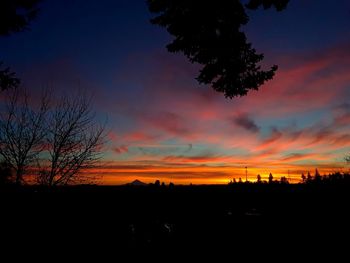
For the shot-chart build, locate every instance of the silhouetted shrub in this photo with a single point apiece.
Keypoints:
(6, 176)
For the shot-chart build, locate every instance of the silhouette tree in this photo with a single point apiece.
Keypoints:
(347, 158)
(317, 177)
(270, 178)
(8, 78)
(284, 180)
(308, 177)
(157, 183)
(15, 16)
(73, 141)
(278, 4)
(5, 173)
(209, 33)
(303, 178)
(258, 179)
(21, 131)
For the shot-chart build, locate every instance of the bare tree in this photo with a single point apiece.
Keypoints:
(73, 140)
(22, 131)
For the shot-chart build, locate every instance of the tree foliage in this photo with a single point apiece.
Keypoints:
(278, 4)
(15, 15)
(8, 78)
(209, 33)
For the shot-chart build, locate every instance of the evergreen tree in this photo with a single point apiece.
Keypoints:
(270, 178)
(258, 179)
(210, 34)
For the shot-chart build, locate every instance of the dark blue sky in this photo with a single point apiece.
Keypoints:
(97, 35)
(306, 25)
(158, 114)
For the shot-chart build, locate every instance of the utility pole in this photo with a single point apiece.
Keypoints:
(246, 174)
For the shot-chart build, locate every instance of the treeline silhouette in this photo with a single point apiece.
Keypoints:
(327, 179)
(336, 178)
(157, 218)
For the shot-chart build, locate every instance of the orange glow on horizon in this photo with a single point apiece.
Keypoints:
(198, 174)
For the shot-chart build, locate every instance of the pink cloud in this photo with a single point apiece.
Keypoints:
(300, 156)
(139, 136)
(274, 136)
(121, 149)
(169, 122)
(197, 159)
(112, 136)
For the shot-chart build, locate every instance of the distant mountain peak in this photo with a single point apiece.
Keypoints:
(137, 183)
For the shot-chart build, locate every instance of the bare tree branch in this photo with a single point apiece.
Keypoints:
(74, 141)
(22, 131)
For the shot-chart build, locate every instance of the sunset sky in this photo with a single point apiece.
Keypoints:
(163, 125)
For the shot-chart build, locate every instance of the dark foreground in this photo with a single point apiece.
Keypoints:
(242, 219)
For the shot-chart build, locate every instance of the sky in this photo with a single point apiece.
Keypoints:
(163, 125)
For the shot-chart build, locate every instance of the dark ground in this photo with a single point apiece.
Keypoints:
(240, 219)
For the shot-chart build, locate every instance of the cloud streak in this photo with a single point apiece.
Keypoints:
(244, 121)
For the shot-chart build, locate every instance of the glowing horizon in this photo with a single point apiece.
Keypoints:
(122, 174)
